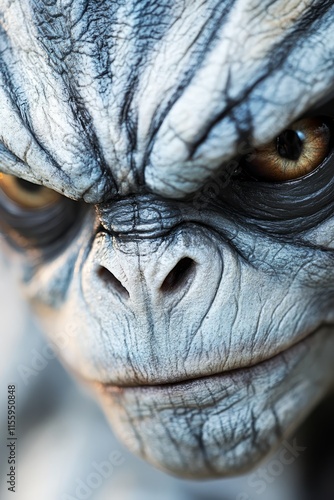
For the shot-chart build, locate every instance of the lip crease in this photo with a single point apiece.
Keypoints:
(228, 373)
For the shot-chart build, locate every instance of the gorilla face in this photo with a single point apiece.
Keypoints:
(167, 178)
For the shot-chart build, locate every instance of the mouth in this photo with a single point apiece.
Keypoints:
(293, 353)
(222, 424)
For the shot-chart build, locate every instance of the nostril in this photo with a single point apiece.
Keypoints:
(179, 275)
(111, 281)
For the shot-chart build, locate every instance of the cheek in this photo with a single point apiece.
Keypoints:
(322, 236)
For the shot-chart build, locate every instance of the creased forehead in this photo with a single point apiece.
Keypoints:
(98, 96)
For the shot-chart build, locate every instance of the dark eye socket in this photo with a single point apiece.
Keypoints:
(296, 152)
(290, 199)
(34, 216)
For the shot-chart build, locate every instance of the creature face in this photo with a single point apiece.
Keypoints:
(180, 254)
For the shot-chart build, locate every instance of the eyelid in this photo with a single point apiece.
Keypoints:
(324, 107)
(285, 208)
(27, 195)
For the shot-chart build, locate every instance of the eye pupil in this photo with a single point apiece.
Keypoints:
(299, 150)
(28, 186)
(290, 144)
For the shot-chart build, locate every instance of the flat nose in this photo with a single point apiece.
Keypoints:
(176, 279)
(150, 299)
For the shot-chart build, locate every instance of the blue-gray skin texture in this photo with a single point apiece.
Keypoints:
(133, 109)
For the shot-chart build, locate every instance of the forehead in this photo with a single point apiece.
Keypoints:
(104, 96)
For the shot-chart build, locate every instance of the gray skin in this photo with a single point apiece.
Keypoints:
(134, 110)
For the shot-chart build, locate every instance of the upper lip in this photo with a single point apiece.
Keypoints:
(187, 380)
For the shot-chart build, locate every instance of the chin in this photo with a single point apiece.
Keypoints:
(222, 425)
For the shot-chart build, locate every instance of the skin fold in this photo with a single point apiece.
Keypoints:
(197, 302)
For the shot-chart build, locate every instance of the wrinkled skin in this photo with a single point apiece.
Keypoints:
(129, 109)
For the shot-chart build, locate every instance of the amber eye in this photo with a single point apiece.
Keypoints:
(25, 194)
(297, 151)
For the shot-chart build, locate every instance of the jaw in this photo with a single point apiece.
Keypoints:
(223, 425)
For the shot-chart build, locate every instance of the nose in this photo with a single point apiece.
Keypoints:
(178, 278)
(145, 255)
(148, 253)
(181, 274)
(149, 298)
(163, 272)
